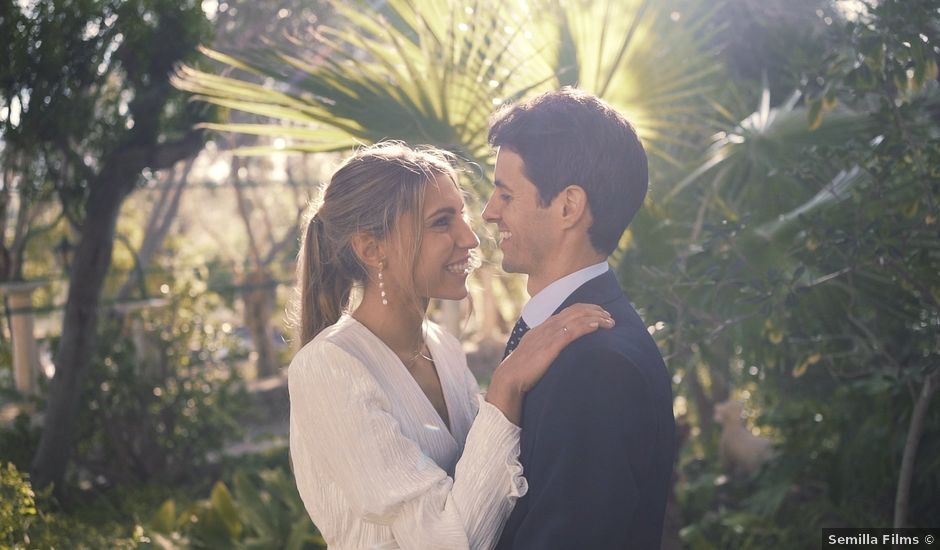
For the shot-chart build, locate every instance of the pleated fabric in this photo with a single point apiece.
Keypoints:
(375, 464)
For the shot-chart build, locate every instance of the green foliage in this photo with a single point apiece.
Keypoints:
(26, 523)
(421, 71)
(432, 72)
(82, 77)
(17, 506)
(652, 60)
(770, 39)
(162, 395)
(263, 511)
(891, 54)
(795, 266)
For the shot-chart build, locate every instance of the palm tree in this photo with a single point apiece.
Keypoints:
(433, 72)
(426, 71)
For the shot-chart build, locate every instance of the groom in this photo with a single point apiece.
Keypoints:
(598, 433)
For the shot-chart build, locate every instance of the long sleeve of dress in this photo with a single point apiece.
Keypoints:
(342, 427)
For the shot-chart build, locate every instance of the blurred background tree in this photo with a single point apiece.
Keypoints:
(88, 83)
(804, 281)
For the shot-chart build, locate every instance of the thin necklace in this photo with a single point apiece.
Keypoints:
(417, 354)
(421, 348)
(414, 359)
(421, 355)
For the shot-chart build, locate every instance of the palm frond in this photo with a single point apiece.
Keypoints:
(427, 71)
(420, 71)
(650, 64)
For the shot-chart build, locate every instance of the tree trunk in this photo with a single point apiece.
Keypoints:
(120, 170)
(158, 225)
(6, 189)
(259, 299)
(914, 434)
(79, 328)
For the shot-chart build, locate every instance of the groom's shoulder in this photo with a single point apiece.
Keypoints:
(626, 351)
(607, 350)
(629, 340)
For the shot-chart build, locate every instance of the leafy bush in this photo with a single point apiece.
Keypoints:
(17, 507)
(263, 511)
(162, 394)
(26, 523)
(810, 289)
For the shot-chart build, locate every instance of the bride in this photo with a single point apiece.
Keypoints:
(391, 442)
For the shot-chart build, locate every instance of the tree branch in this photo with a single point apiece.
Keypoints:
(167, 154)
(914, 433)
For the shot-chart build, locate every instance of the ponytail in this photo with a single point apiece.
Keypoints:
(324, 283)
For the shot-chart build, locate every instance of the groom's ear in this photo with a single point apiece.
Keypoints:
(370, 250)
(573, 205)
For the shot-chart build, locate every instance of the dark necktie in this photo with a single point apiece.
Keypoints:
(517, 332)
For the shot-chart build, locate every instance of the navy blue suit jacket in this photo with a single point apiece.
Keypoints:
(598, 439)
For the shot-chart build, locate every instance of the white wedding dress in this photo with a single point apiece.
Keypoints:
(376, 466)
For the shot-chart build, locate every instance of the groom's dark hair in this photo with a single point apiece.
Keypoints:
(569, 137)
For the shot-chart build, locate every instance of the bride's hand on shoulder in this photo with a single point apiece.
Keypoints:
(526, 365)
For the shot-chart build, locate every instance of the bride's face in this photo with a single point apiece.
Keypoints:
(443, 261)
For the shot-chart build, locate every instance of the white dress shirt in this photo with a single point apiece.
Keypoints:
(375, 464)
(547, 300)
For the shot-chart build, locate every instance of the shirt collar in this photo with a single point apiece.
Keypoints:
(546, 301)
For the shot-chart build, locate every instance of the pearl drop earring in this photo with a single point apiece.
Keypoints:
(382, 284)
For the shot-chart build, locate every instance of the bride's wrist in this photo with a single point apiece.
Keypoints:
(506, 394)
(506, 383)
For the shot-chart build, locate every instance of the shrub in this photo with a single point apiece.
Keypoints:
(263, 511)
(17, 507)
(26, 523)
(161, 396)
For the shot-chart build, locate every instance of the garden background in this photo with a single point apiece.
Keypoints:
(158, 157)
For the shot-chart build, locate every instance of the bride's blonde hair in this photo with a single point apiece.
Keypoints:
(369, 192)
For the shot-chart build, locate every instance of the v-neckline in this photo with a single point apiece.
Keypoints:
(433, 348)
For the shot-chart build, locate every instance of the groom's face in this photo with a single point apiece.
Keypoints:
(526, 234)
